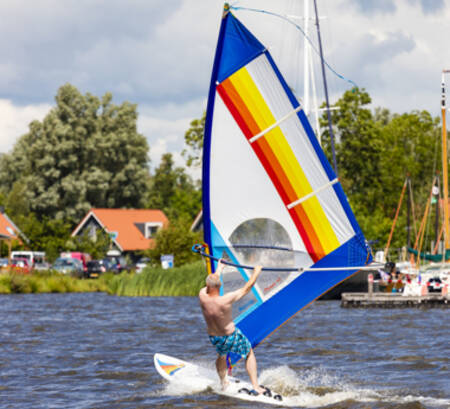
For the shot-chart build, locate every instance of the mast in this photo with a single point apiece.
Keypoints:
(306, 58)
(408, 214)
(444, 163)
(309, 96)
(326, 90)
(436, 191)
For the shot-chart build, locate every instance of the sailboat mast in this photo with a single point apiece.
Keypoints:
(306, 58)
(444, 162)
(326, 89)
(408, 214)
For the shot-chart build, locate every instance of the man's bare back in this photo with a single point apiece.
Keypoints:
(217, 312)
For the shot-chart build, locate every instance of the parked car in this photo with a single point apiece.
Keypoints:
(434, 285)
(21, 265)
(67, 265)
(42, 266)
(97, 267)
(3, 262)
(32, 257)
(141, 264)
(82, 257)
(118, 264)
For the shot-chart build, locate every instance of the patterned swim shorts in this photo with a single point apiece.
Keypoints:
(236, 342)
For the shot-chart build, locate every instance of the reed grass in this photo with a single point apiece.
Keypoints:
(186, 280)
(179, 281)
(46, 282)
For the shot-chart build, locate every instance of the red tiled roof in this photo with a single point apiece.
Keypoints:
(5, 225)
(122, 221)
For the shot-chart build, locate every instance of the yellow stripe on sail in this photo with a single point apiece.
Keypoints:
(275, 138)
(262, 115)
(281, 149)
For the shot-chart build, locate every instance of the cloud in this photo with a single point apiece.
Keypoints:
(372, 53)
(429, 6)
(370, 7)
(14, 121)
(143, 51)
(159, 54)
(164, 133)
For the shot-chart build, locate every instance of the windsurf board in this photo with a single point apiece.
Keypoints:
(185, 373)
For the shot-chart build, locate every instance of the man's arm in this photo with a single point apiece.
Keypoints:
(238, 294)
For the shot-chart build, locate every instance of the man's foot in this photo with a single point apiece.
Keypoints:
(267, 392)
(259, 389)
(225, 384)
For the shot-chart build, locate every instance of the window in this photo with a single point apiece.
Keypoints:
(151, 229)
(93, 232)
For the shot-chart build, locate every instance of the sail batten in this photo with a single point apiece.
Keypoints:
(267, 182)
(265, 131)
(309, 195)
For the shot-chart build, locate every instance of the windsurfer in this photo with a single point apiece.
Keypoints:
(223, 334)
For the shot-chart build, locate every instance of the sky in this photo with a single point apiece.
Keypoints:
(158, 54)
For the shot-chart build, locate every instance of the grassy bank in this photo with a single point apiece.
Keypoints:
(47, 282)
(180, 281)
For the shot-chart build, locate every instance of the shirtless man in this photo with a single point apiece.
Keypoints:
(221, 329)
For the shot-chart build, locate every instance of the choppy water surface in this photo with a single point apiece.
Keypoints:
(96, 351)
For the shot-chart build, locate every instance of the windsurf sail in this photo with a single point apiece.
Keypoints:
(270, 197)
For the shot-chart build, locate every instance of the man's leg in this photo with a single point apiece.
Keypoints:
(221, 365)
(250, 365)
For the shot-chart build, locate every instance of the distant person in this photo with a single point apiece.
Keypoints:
(223, 334)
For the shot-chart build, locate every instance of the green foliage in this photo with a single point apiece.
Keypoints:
(49, 235)
(97, 247)
(194, 141)
(375, 153)
(179, 281)
(49, 282)
(178, 240)
(85, 153)
(358, 148)
(173, 191)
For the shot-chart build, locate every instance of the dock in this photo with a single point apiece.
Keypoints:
(393, 300)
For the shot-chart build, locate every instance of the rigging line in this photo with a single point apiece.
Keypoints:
(196, 248)
(386, 250)
(411, 198)
(313, 193)
(287, 116)
(259, 246)
(304, 34)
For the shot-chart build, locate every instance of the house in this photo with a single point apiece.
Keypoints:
(9, 231)
(130, 230)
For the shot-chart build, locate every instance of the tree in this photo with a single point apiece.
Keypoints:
(173, 191)
(358, 148)
(47, 234)
(85, 153)
(97, 247)
(178, 240)
(194, 141)
(412, 147)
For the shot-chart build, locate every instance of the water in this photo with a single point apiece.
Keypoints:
(96, 351)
